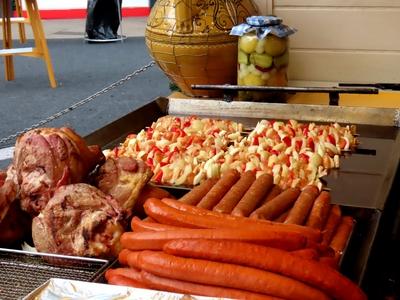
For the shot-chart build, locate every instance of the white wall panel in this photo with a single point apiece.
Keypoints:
(343, 40)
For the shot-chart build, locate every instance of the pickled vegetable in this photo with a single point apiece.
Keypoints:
(253, 79)
(261, 60)
(263, 56)
(248, 43)
(274, 45)
(261, 63)
(243, 58)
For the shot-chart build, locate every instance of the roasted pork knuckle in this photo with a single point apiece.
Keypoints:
(47, 158)
(79, 220)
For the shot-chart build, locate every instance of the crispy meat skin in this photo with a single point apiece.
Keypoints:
(123, 178)
(79, 220)
(47, 158)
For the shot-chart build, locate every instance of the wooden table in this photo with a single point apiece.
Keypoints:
(40, 50)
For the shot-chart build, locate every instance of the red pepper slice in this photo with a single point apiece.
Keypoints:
(157, 177)
(298, 145)
(217, 130)
(190, 141)
(165, 149)
(287, 160)
(178, 130)
(305, 131)
(150, 162)
(149, 133)
(331, 139)
(256, 141)
(304, 157)
(177, 120)
(276, 152)
(169, 157)
(156, 149)
(292, 132)
(287, 140)
(310, 143)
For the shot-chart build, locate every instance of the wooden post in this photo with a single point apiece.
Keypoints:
(7, 41)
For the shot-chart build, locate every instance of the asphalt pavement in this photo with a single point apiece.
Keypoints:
(81, 69)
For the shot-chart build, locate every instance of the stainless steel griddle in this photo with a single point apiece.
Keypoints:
(361, 185)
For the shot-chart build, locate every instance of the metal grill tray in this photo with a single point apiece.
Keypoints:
(364, 178)
(361, 185)
(21, 271)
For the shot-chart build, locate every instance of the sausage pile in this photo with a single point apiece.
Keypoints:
(189, 150)
(259, 198)
(188, 249)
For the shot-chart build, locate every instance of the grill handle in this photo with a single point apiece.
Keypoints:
(230, 90)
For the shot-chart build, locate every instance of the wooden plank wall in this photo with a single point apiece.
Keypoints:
(341, 40)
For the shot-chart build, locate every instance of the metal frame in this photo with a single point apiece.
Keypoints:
(301, 112)
(230, 90)
(88, 259)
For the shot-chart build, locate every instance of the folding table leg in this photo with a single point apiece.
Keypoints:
(40, 39)
(21, 26)
(7, 41)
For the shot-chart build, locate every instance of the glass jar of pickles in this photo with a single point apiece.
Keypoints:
(263, 55)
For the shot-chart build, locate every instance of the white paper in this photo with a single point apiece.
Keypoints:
(57, 289)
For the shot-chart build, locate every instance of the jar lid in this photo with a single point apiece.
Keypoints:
(263, 25)
(263, 20)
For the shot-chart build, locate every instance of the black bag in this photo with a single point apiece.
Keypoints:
(103, 19)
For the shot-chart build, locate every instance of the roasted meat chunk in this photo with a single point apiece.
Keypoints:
(123, 178)
(47, 158)
(8, 190)
(79, 220)
(15, 227)
(14, 223)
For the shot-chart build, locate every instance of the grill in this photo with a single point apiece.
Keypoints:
(362, 184)
(23, 271)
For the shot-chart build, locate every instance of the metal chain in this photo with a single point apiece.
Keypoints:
(79, 103)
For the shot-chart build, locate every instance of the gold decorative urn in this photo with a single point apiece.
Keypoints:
(190, 41)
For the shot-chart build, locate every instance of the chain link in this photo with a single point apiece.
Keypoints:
(79, 103)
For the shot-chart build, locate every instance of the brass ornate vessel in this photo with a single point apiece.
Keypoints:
(190, 41)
